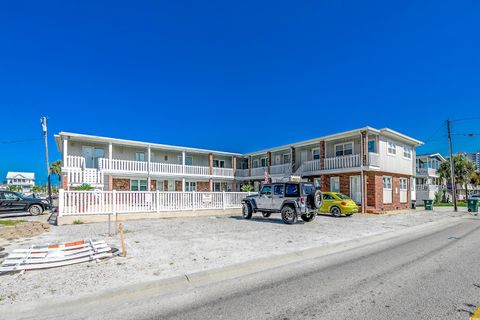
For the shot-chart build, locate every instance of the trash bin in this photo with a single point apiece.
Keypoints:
(472, 205)
(428, 204)
(414, 204)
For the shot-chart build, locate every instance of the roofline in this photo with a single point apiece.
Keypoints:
(430, 155)
(337, 136)
(135, 143)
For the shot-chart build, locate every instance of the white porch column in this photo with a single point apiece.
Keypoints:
(183, 184)
(110, 155)
(149, 153)
(183, 162)
(65, 152)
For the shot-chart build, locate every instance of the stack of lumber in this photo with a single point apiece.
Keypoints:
(57, 255)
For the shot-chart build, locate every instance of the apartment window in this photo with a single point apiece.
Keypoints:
(255, 163)
(403, 184)
(139, 156)
(264, 162)
(217, 187)
(266, 190)
(335, 184)
(138, 185)
(372, 146)
(190, 186)
(165, 158)
(343, 149)
(407, 151)
(316, 154)
(188, 160)
(160, 185)
(286, 158)
(219, 163)
(391, 148)
(387, 183)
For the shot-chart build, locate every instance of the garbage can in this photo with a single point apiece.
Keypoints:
(428, 204)
(472, 205)
(414, 204)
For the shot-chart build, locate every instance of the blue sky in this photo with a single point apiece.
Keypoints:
(235, 76)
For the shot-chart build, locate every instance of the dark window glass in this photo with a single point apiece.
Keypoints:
(267, 190)
(278, 189)
(292, 190)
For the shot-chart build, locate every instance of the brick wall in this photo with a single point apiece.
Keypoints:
(178, 186)
(203, 186)
(121, 184)
(153, 185)
(375, 192)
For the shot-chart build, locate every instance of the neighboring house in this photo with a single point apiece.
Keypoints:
(427, 179)
(375, 167)
(26, 180)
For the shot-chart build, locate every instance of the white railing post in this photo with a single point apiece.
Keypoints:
(157, 201)
(193, 201)
(223, 200)
(61, 202)
(114, 202)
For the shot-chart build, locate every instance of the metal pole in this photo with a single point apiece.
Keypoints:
(43, 120)
(452, 170)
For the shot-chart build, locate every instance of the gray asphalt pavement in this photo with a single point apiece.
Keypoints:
(427, 272)
(424, 276)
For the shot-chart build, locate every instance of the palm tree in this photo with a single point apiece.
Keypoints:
(475, 179)
(83, 187)
(56, 168)
(463, 170)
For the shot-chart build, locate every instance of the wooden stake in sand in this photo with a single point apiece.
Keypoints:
(122, 239)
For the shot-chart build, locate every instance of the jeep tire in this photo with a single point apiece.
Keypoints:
(308, 217)
(289, 214)
(314, 199)
(247, 211)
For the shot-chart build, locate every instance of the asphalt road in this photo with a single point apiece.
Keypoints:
(424, 276)
(429, 272)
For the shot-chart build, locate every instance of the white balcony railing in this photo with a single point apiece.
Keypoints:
(280, 169)
(74, 162)
(242, 173)
(257, 172)
(223, 172)
(426, 171)
(122, 165)
(170, 168)
(350, 161)
(197, 170)
(373, 159)
(427, 187)
(89, 176)
(311, 165)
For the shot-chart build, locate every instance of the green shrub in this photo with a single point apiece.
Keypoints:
(78, 221)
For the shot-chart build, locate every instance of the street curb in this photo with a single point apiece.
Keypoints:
(230, 272)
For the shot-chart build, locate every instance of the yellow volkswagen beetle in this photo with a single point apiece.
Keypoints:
(338, 204)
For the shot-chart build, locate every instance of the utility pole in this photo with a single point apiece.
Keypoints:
(43, 120)
(452, 169)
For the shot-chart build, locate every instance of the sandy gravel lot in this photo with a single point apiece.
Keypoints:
(168, 247)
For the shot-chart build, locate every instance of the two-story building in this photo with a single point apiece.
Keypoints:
(375, 167)
(25, 180)
(427, 179)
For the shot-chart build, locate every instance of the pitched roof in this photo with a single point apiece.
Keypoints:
(21, 175)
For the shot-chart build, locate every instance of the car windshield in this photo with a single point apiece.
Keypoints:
(342, 196)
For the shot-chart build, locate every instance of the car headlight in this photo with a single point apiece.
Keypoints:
(45, 201)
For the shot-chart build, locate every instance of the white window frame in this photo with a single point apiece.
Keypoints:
(331, 184)
(391, 182)
(266, 162)
(139, 184)
(256, 163)
(313, 153)
(394, 153)
(190, 186)
(343, 144)
(218, 161)
(287, 157)
(402, 181)
(215, 183)
(138, 158)
(409, 154)
(376, 146)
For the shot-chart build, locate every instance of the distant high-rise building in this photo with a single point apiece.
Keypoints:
(474, 157)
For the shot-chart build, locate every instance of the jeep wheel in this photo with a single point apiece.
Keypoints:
(335, 211)
(289, 215)
(308, 217)
(35, 210)
(247, 211)
(266, 214)
(315, 199)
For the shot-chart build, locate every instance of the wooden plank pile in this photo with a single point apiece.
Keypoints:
(57, 255)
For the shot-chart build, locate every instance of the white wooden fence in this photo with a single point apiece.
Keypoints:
(113, 202)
